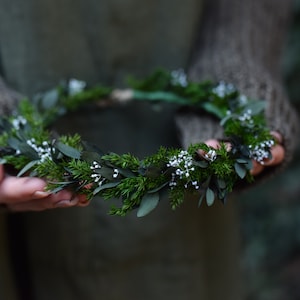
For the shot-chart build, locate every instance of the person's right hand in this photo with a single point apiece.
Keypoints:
(28, 194)
(277, 152)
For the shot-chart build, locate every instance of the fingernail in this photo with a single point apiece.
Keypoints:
(40, 194)
(74, 200)
(278, 153)
(63, 203)
(278, 137)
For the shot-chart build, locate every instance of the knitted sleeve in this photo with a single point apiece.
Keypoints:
(241, 42)
(8, 98)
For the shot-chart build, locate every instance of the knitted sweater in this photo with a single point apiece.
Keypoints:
(170, 256)
(242, 43)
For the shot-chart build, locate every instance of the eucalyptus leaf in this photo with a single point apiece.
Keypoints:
(105, 172)
(240, 170)
(67, 150)
(161, 95)
(249, 164)
(225, 119)
(148, 203)
(126, 173)
(201, 163)
(201, 199)
(221, 183)
(27, 167)
(65, 183)
(14, 143)
(152, 171)
(28, 151)
(23, 147)
(90, 156)
(158, 188)
(256, 107)
(223, 196)
(50, 99)
(3, 161)
(242, 161)
(105, 186)
(210, 196)
(211, 108)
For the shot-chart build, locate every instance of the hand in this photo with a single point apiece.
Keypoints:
(28, 194)
(277, 152)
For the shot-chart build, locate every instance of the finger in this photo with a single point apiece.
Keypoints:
(83, 201)
(277, 153)
(257, 168)
(14, 189)
(216, 144)
(62, 199)
(39, 205)
(213, 143)
(277, 136)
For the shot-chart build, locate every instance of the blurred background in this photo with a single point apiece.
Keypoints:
(270, 214)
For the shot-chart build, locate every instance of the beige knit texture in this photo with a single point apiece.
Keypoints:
(8, 98)
(241, 42)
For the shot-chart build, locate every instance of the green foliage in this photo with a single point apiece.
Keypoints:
(50, 170)
(176, 196)
(72, 141)
(202, 171)
(148, 203)
(125, 161)
(80, 169)
(159, 80)
(91, 95)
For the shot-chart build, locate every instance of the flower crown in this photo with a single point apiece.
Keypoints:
(66, 162)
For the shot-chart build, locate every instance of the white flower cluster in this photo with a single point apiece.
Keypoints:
(183, 162)
(44, 150)
(211, 155)
(98, 178)
(179, 77)
(262, 151)
(76, 86)
(246, 117)
(18, 122)
(223, 89)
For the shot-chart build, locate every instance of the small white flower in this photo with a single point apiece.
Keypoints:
(116, 173)
(95, 165)
(262, 151)
(246, 116)
(44, 151)
(195, 184)
(211, 155)
(19, 122)
(223, 89)
(183, 162)
(76, 86)
(179, 77)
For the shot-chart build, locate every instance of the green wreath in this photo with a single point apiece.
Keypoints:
(66, 162)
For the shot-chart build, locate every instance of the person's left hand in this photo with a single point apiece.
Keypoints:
(28, 194)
